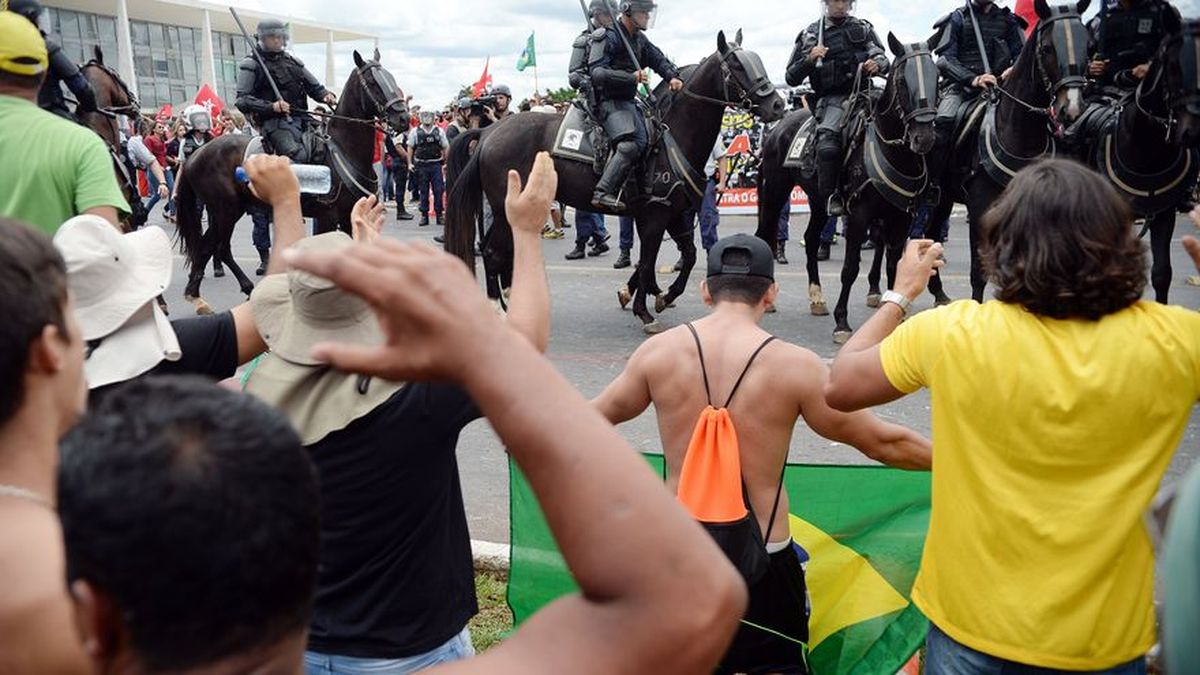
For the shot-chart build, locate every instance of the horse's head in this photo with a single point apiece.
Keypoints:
(913, 83)
(1176, 68)
(382, 97)
(1061, 41)
(746, 79)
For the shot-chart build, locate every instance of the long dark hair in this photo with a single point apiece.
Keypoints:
(1060, 242)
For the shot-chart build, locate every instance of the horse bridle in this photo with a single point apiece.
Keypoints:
(1063, 42)
(1192, 59)
(381, 107)
(923, 106)
(133, 107)
(761, 83)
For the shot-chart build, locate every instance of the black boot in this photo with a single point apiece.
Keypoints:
(441, 220)
(576, 253)
(424, 220)
(781, 253)
(264, 257)
(599, 246)
(622, 260)
(605, 197)
(403, 214)
(828, 168)
(823, 251)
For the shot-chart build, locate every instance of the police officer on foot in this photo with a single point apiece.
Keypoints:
(282, 122)
(830, 56)
(615, 79)
(1126, 34)
(62, 69)
(427, 146)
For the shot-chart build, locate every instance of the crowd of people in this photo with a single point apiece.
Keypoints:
(160, 516)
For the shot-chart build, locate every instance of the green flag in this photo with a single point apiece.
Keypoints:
(863, 527)
(528, 57)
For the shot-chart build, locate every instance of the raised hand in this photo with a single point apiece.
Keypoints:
(366, 219)
(272, 179)
(527, 209)
(922, 258)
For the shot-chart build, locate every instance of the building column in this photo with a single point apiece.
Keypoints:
(330, 69)
(208, 64)
(125, 48)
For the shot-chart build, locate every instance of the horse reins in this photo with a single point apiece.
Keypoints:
(916, 112)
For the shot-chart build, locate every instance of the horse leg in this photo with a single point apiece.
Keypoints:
(244, 282)
(812, 242)
(856, 232)
(977, 204)
(686, 242)
(894, 238)
(874, 294)
(933, 230)
(651, 241)
(191, 292)
(1162, 228)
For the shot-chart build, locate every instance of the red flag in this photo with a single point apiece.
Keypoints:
(164, 113)
(485, 80)
(209, 99)
(1026, 11)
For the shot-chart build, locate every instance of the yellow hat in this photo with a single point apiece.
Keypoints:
(22, 48)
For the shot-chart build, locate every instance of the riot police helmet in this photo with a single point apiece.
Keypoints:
(272, 28)
(32, 10)
(464, 103)
(600, 9)
(426, 117)
(631, 8)
(840, 10)
(502, 90)
(197, 118)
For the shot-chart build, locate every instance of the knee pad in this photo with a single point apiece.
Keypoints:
(627, 147)
(828, 149)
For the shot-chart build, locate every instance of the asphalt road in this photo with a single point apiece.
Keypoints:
(591, 337)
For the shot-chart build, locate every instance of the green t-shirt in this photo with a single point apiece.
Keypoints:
(51, 169)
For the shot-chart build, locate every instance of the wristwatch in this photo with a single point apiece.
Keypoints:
(898, 299)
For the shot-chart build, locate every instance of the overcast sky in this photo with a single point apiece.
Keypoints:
(434, 47)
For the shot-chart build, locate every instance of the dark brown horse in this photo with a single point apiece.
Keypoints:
(1021, 125)
(114, 98)
(369, 97)
(729, 77)
(1147, 148)
(884, 175)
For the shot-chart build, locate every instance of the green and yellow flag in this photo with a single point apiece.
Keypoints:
(863, 527)
(528, 57)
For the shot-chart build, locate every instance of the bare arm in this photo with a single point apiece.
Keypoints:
(883, 442)
(529, 305)
(656, 594)
(857, 379)
(629, 395)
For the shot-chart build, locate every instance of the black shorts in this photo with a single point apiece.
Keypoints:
(779, 601)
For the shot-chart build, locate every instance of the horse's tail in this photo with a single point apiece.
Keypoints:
(464, 205)
(188, 228)
(460, 154)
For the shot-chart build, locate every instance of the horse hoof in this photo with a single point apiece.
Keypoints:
(1193, 280)
(248, 291)
(819, 308)
(874, 299)
(624, 296)
(218, 274)
(771, 309)
(841, 337)
(201, 305)
(942, 301)
(667, 269)
(652, 328)
(661, 303)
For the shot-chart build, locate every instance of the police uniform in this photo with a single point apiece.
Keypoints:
(61, 70)
(428, 145)
(1128, 38)
(255, 98)
(614, 81)
(577, 67)
(960, 61)
(851, 42)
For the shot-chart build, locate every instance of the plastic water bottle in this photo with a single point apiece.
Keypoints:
(313, 178)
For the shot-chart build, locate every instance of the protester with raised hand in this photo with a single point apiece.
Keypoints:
(657, 595)
(1056, 410)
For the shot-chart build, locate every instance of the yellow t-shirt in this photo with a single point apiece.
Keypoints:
(1050, 439)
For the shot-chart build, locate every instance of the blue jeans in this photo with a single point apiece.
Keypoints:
(262, 216)
(456, 649)
(153, 180)
(626, 233)
(710, 217)
(944, 656)
(830, 231)
(430, 178)
(785, 218)
(389, 187)
(589, 225)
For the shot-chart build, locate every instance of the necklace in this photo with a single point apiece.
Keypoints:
(23, 493)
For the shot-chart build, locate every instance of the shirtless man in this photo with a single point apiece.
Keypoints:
(782, 384)
(42, 392)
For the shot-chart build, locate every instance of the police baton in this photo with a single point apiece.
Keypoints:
(258, 57)
(587, 16)
(624, 40)
(983, 53)
(821, 32)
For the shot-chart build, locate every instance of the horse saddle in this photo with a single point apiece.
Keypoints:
(577, 138)
(802, 153)
(1153, 193)
(998, 163)
(967, 121)
(313, 139)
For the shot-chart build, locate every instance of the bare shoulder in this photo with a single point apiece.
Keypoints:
(798, 367)
(31, 557)
(660, 348)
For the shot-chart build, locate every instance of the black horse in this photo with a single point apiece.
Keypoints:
(369, 97)
(884, 174)
(730, 77)
(114, 98)
(1017, 125)
(1146, 143)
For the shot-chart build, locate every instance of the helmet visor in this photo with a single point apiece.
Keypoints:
(200, 121)
(280, 33)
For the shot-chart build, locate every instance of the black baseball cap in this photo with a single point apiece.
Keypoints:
(762, 260)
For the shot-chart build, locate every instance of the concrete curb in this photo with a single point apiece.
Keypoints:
(490, 556)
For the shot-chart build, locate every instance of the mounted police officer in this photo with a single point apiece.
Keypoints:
(1126, 35)
(600, 20)
(615, 80)
(255, 97)
(842, 44)
(62, 68)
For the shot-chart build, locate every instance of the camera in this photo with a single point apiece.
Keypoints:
(478, 104)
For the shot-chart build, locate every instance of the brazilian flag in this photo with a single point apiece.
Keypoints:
(528, 57)
(863, 527)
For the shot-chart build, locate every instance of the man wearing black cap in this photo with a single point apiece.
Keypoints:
(784, 382)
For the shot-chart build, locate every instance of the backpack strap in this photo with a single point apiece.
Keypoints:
(703, 369)
(775, 506)
(744, 370)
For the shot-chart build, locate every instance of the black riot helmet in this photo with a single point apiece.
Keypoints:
(271, 28)
(600, 13)
(32, 10)
(631, 7)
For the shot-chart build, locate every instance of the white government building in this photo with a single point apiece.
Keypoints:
(166, 49)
